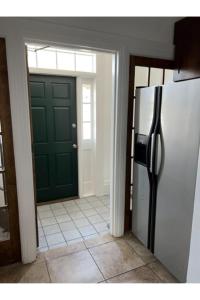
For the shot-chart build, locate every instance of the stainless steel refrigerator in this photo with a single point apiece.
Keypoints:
(166, 149)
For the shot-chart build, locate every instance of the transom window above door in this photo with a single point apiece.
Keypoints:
(46, 57)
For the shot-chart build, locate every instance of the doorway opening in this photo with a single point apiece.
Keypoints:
(71, 99)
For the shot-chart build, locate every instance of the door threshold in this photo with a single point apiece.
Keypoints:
(57, 200)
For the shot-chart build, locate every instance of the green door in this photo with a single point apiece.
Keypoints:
(53, 106)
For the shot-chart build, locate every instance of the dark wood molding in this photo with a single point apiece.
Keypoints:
(127, 219)
(143, 62)
(187, 49)
(9, 250)
(153, 62)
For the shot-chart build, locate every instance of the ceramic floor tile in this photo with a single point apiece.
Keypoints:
(106, 202)
(69, 203)
(140, 249)
(99, 240)
(40, 232)
(92, 199)
(72, 209)
(139, 275)
(63, 251)
(55, 238)
(74, 268)
(97, 203)
(41, 208)
(90, 212)
(81, 222)
(95, 219)
(87, 230)
(100, 227)
(71, 234)
(29, 273)
(48, 221)
(105, 197)
(39, 223)
(54, 246)
(45, 214)
(84, 206)
(115, 258)
(40, 257)
(63, 218)
(59, 212)
(105, 216)
(102, 209)
(162, 272)
(76, 215)
(42, 242)
(51, 229)
(67, 226)
(43, 249)
(91, 236)
(104, 232)
(72, 242)
(81, 201)
(56, 206)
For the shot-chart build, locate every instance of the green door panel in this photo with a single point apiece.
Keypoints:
(62, 115)
(53, 105)
(42, 171)
(39, 119)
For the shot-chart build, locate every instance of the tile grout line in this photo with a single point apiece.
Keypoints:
(57, 232)
(74, 225)
(77, 226)
(43, 235)
(96, 264)
(71, 219)
(48, 271)
(155, 273)
(127, 272)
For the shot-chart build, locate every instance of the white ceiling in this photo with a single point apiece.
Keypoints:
(148, 28)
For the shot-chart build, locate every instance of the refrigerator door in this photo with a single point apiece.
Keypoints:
(144, 115)
(180, 137)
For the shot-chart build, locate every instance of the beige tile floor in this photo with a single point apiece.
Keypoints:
(68, 222)
(100, 259)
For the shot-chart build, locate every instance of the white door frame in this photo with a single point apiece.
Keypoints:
(113, 218)
(117, 165)
(17, 32)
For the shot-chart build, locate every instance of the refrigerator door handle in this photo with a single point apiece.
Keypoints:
(152, 151)
(158, 154)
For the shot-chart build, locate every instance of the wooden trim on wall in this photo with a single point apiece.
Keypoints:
(10, 250)
(143, 62)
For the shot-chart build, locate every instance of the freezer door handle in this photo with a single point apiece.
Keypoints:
(152, 151)
(158, 154)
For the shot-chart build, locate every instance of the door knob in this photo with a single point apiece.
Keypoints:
(74, 146)
(73, 125)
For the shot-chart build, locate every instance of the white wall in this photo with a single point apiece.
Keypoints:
(17, 31)
(104, 93)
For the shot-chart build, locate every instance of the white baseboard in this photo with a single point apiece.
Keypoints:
(88, 189)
